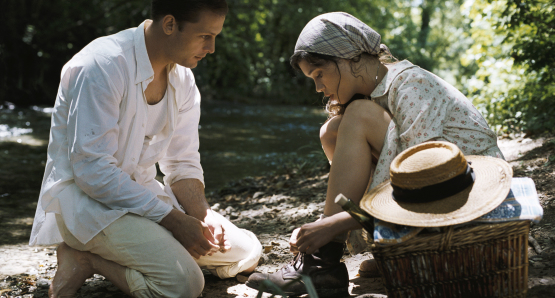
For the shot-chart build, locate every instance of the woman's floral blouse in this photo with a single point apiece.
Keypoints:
(424, 108)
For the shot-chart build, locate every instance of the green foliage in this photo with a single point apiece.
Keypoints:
(498, 52)
(514, 86)
(550, 160)
(39, 37)
(252, 54)
(266, 284)
(251, 62)
(431, 35)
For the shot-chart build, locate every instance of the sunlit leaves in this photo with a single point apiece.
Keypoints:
(259, 37)
(513, 86)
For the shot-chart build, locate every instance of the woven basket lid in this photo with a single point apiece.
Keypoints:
(427, 165)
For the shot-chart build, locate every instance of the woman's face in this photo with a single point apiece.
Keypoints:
(336, 82)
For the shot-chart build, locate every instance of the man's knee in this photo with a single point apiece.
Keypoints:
(192, 283)
(190, 279)
(182, 282)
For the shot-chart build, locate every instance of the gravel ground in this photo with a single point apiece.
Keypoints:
(271, 207)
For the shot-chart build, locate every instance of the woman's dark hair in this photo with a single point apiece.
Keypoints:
(186, 10)
(318, 60)
(334, 108)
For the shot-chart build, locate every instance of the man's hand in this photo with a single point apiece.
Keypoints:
(190, 194)
(217, 231)
(192, 233)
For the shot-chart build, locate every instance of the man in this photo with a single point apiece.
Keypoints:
(125, 102)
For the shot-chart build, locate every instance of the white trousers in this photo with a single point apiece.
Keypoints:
(157, 264)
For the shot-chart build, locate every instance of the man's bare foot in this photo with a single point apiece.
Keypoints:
(74, 267)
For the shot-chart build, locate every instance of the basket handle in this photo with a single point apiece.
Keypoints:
(445, 242)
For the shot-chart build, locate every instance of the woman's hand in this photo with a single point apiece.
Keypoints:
(312, 236)
(293, 241)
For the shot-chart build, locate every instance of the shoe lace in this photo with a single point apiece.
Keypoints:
(297, 261)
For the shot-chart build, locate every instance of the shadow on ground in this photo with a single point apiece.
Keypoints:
(271, 206)
(541, 291)
(21, 175)
(23, 140)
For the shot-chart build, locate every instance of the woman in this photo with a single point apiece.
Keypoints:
(404, 105)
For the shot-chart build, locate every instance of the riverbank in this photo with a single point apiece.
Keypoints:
(272, 206)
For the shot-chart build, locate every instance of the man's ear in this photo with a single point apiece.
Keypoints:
(169, 24)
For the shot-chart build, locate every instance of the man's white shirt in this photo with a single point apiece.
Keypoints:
(99, 164)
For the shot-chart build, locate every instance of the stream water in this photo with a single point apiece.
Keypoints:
(236, 140)
(245, 140)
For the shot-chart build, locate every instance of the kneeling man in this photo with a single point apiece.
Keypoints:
(126, 102)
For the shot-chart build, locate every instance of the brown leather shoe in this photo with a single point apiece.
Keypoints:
(328, 274)
(369, 268)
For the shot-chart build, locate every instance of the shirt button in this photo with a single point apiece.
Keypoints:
(133, 159)
(143, 125)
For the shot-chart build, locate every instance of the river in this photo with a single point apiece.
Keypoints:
(236, 140)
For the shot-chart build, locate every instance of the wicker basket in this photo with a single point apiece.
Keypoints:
(488, 260)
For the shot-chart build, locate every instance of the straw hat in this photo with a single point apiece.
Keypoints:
(433, 185)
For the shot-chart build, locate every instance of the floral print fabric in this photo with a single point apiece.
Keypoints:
(424, 108)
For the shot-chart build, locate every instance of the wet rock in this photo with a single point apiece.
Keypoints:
(264, 259)
(43, 283)
(257, 194)
(268, 248)
(535, 244)
(216, 207)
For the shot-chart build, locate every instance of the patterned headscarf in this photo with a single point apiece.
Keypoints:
(338, 34)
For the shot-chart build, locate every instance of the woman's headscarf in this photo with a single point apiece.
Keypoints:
(339, 34)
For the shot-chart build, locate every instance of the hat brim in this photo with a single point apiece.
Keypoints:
(490, 188)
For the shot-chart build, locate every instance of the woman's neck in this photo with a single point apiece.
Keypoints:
(372, 73)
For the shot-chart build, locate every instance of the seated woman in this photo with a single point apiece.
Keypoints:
(404, 105)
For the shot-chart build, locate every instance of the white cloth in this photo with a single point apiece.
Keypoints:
(96, 171)
(157, 118)
(338, 34)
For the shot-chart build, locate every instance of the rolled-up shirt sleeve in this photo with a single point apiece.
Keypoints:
(97, 91)
(182, 159)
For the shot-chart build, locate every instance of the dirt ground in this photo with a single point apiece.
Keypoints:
(272, 206)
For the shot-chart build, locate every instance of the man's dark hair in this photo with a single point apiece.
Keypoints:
(186, 10)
